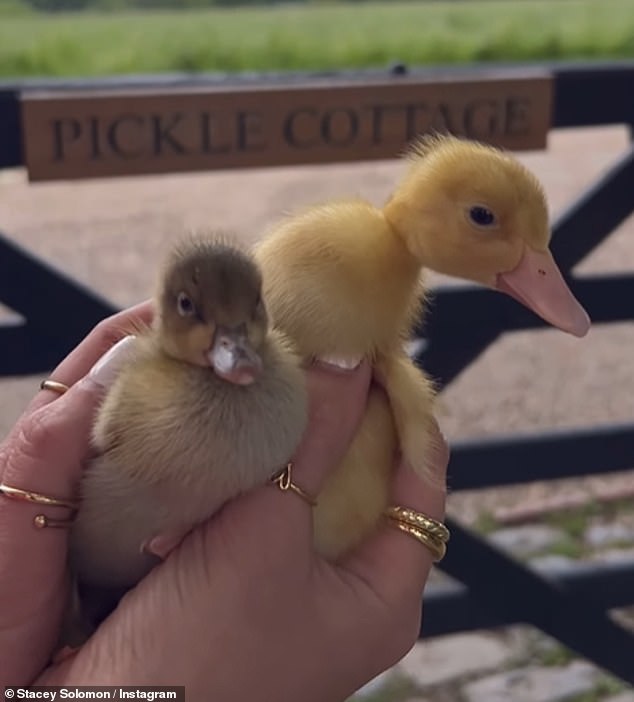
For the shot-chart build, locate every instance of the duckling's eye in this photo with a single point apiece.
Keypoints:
(185, 305)
(481, 216)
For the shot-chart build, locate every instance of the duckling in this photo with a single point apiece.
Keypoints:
(211, 403)
(345, 281)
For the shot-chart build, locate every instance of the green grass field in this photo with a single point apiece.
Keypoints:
(314, 37)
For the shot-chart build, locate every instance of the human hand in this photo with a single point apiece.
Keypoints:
(44, 453)
(246, 589)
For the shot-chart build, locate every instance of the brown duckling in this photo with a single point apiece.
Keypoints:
(211, 404)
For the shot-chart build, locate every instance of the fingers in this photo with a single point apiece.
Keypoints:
(395, 563)
(337, 402)
(36, 558)
(77, 364)
(45, 450)
(45, 455)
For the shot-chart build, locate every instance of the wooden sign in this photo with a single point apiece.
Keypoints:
(91, 134)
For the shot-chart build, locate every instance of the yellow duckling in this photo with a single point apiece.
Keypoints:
(343, 281)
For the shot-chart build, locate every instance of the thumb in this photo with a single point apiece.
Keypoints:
(337, 402)
(390, 551)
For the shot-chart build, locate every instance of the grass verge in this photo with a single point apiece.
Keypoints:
(287, 37)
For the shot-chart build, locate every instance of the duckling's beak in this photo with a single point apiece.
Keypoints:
(537, 283)
(233, 358)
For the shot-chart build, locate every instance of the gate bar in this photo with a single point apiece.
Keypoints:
(450, 608)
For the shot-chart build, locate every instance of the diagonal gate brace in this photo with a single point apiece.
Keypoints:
(58, 310)
(506, 587)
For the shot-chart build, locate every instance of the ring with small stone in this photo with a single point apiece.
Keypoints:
(41, 521)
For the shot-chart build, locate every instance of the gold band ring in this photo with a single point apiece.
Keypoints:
(429, 532)
(53, 385)
(418, 519)
(29, 496)
(41, 521)
(434, 546)
(284, 481)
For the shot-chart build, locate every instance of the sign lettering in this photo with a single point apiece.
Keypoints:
(99, 134)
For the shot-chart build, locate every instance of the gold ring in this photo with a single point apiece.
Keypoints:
(418, 519)
(435, 547)
(284, 482)
(53, 385)
(36, 497)
(41, 521)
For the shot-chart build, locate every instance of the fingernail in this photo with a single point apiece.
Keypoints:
(347, 364)
(107, 367)
(415, 347)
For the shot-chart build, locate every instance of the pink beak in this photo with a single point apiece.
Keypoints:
(233, 358)
(537, 283)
